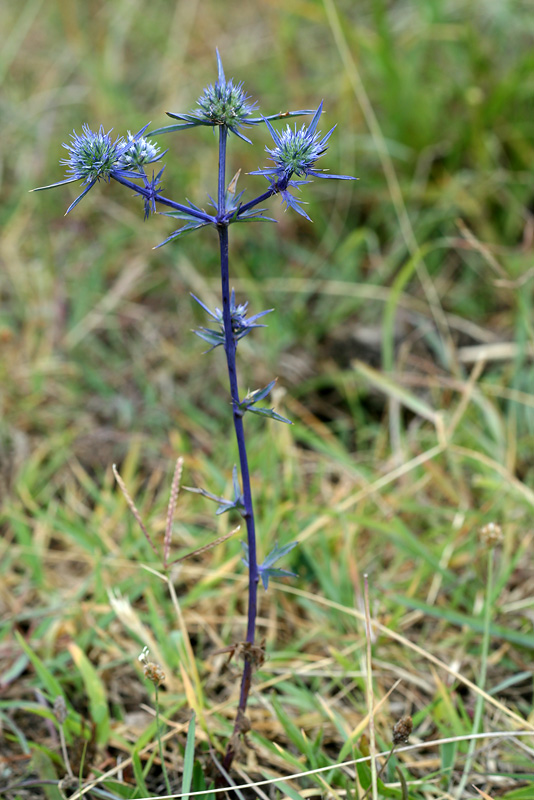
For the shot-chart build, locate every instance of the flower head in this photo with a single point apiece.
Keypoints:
(152, 671)
(92, 156)
(222, 103)
(402, 730)
(491, 534)
(295, 153)
(60, 709)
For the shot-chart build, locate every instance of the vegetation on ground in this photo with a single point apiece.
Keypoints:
(403, 343)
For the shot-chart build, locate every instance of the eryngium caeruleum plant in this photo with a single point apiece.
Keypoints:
(94, 156)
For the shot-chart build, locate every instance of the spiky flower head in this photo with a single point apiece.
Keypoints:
(295, 153)
(140, 152)
(224, 102)
(92, 156)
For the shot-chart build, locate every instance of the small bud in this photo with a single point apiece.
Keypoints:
(140, 152)
(60, 709)
(491, 534)
(402, 730)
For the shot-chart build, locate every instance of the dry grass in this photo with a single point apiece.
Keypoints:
(403, 343)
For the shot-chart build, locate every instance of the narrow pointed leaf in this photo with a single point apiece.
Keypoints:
(53, 185)
(274, 572)
(281, 115)
(270, 413)
(260, 394)
(277, 553)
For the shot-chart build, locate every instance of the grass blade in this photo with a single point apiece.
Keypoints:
(189, 759)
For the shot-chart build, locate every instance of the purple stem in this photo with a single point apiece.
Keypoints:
(248, 513)
(164, 200)
(265, 196)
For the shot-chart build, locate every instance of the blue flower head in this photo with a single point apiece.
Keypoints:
(92, 156)
(221, 103)
(295, 153)
(224, 103)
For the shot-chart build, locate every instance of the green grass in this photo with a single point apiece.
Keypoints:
(411, 429)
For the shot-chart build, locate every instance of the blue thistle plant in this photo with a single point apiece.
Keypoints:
(224, 106)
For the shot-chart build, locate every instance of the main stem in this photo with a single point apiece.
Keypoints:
(248, 513)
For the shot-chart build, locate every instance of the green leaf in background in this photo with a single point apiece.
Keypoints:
(98, 704)
(189, 759)
(50, 683)
(288, 790)
(141, 788)
(199, 781)
(43, 766)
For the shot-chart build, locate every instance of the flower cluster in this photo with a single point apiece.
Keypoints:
(94, 156)
(152, 671)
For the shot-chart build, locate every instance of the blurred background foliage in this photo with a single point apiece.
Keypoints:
(403, 315)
